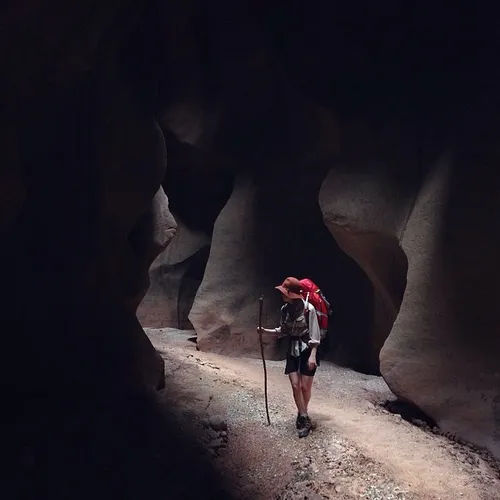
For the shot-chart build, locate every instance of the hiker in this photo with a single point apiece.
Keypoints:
(300, 324)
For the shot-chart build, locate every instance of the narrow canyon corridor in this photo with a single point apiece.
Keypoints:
(163, 164)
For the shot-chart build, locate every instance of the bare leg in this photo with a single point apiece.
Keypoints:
(306, 386)
(295, 381)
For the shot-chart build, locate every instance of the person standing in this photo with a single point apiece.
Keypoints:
(300, 324)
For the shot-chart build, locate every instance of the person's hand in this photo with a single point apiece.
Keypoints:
(260, 329)
(311, 363)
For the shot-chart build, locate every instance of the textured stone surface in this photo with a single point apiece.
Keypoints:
(151, 235)
(225, 310)
(169, 274)
(255, 244)
(365, 203)
(441, 352)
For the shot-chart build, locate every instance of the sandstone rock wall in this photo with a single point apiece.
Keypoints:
(366, 162)
(83, 218)
(442, 353)
(427, 251)
(258, 239)
(166, 300)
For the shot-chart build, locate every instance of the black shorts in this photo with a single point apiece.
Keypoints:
(300, 364)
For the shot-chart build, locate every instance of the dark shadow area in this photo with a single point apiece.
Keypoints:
(190, 283)
(299, 244)
(409, 412)
(383, 59)
(92, 445)
(351, 331)
(385, 265)
(197, 184)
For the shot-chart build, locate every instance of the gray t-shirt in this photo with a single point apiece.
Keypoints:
(298, 326)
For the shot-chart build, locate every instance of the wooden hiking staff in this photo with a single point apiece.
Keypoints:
(261, 305)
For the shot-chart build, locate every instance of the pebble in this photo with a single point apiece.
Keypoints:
(217, 423)
(246, 407)
(212, 434)
(216, 444)
(418, 422)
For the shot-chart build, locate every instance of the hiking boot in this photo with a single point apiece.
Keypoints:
(306, 428)
(299, 422)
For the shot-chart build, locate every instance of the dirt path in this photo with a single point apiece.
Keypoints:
(357, 450)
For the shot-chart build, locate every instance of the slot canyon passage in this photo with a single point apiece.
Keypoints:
(165, 163)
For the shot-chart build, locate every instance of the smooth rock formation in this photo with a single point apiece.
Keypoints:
(442, 354)
(150, 237)
(365, 204)
(172, 292)
(199, 185)
(225, 310)
(258, 239)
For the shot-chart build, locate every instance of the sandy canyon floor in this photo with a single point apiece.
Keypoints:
(357, 449)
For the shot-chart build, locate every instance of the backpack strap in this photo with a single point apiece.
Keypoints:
(306, 309)
(307, 300)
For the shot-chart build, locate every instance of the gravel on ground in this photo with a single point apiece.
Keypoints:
(357, 449)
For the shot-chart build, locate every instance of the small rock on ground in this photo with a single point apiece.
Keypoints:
(217, 423)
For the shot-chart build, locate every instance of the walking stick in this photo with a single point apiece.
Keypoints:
(261, 304)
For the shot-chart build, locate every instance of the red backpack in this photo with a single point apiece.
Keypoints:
(312, 294)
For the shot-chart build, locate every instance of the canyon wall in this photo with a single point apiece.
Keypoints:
(204, 152)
